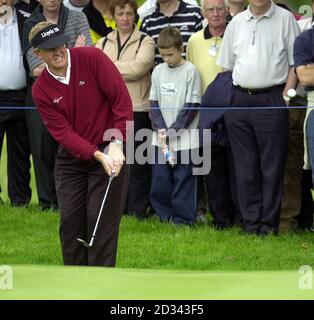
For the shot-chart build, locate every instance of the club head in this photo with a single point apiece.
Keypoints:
(84, 243)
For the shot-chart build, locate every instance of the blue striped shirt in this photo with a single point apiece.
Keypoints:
(187, 19)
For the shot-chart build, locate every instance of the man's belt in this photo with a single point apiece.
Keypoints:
(261, 90)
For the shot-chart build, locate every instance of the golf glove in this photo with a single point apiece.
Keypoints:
(106, 162)
(115, 152)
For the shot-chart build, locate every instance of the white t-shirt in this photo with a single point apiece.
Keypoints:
(172, 95)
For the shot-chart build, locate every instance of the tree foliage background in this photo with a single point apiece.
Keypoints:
(296, 4)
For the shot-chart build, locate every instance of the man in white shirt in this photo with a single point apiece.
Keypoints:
(12, 102)
(258, 48)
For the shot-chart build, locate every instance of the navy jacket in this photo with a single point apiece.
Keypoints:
(218, 95)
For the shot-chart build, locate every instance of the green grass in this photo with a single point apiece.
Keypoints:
(31, 237)
(56, 282)
(155, 261)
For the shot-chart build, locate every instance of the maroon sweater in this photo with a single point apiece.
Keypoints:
(96, 99)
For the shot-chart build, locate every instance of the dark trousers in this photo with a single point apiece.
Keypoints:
(291, 202)
(305, 218)
(13, 124)
(202, 197)
(140, 174)
(218, 188)
(81, 186)
(297, 203)
(258, 140)
(233, 189)
(44, 150)
(173, 191)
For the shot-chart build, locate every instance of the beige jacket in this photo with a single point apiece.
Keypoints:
(135, 63)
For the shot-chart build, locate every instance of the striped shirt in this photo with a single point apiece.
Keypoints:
(187, 19)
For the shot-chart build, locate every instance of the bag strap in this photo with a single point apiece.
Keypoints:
(143, 36)
(104, 43)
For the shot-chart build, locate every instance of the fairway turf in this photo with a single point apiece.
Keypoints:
(58, 282)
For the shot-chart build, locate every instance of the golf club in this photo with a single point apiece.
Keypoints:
(90, 244)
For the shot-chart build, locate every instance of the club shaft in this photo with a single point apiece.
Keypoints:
(100, 211)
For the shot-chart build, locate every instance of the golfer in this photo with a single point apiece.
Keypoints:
(80, 96)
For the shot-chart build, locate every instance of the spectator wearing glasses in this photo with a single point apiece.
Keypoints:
(202, 50)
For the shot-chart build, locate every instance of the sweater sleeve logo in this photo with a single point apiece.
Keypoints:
(56, 100)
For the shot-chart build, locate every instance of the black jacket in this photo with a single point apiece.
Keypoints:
(96, 20)
(23, 11)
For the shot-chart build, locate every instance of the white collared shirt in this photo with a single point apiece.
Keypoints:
(13, 75)
(66, 79)
(259, 50)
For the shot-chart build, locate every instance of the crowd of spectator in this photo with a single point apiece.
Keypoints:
(181, 63)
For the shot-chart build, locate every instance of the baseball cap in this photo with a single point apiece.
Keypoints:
(50, 37)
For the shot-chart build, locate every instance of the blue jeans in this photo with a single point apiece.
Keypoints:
(173, 192)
